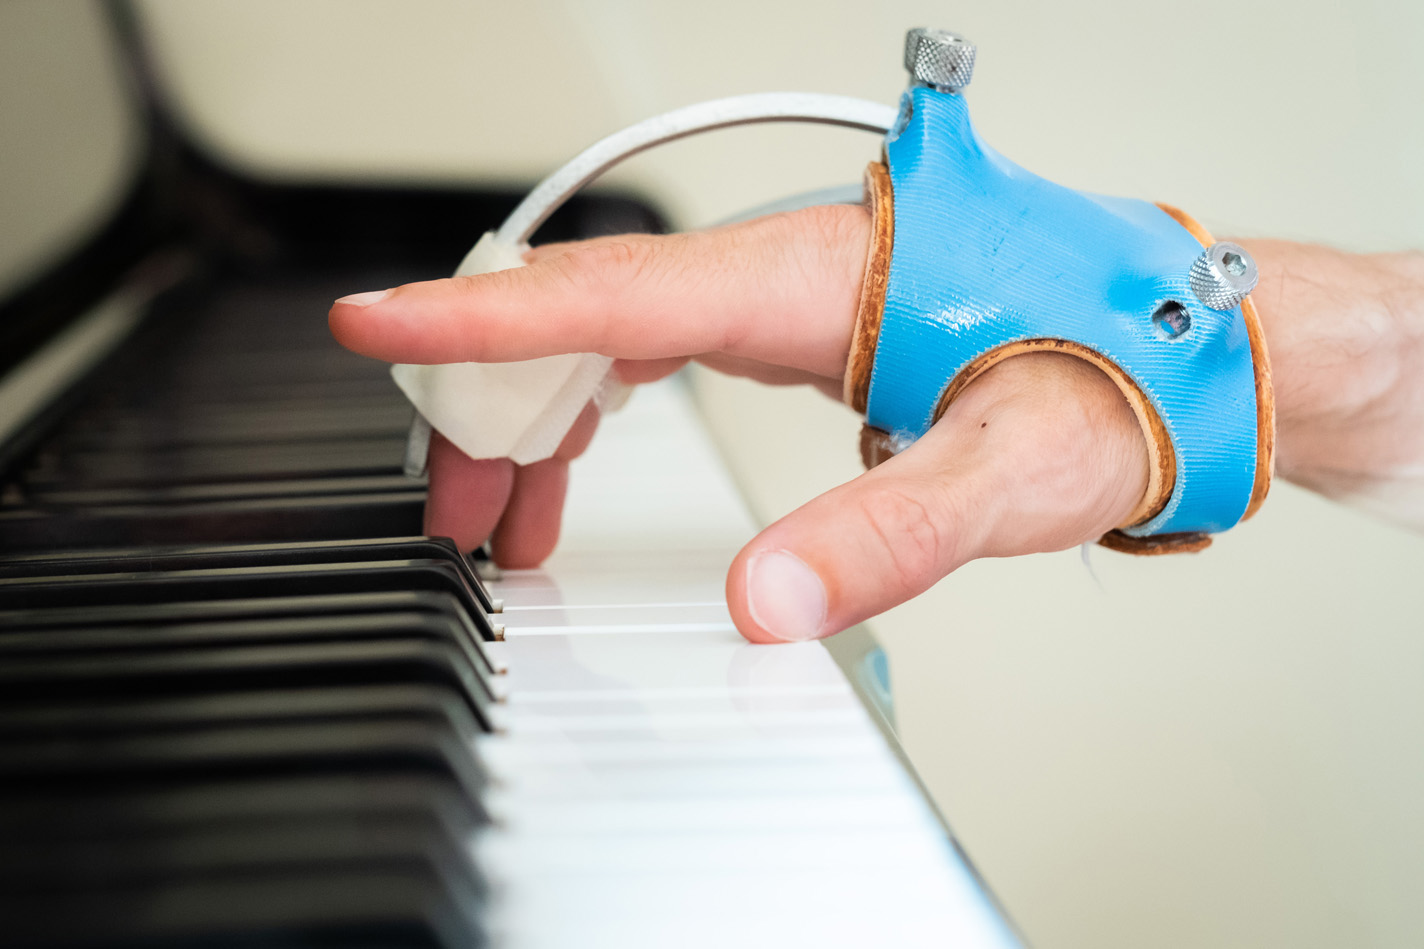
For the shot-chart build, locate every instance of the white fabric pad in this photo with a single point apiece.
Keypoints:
(517, 410)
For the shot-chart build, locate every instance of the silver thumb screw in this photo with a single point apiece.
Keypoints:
(939, 58)
(1223, 275)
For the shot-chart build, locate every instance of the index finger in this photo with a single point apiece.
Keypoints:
(781, 289)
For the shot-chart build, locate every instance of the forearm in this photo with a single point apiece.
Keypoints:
(1346, 340)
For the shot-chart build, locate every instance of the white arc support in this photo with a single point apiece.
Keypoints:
(522, 410)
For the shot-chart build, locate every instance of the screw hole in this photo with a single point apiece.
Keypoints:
(1172, 319)
(1233, 262)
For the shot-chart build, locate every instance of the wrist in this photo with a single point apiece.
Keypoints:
(1346, 339)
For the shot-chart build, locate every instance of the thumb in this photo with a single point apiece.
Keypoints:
(1040, 453)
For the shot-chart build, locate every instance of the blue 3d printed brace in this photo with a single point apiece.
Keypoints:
(987, 260)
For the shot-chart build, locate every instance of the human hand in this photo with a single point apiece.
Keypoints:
(1040, 453)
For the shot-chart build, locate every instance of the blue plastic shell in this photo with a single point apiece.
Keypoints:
(986, 254)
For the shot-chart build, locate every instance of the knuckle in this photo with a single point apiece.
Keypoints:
(909, 535)
(611, 262)
(468, 286)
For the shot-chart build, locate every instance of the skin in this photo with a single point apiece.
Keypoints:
(1041, 453)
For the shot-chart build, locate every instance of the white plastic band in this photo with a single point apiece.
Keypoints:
(762, 107)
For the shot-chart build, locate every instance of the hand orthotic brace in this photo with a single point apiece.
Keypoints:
(975, 260)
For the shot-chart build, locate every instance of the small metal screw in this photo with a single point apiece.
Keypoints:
(939, 58)
(1223, 275)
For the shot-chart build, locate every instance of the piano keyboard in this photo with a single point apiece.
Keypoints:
(243, 704)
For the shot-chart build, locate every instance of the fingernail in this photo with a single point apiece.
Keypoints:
(364, 299)
(785, 596)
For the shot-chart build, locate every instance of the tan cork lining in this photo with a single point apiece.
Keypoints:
(879, 198)
(1184, 543)
(874, 445)
(1261, 360)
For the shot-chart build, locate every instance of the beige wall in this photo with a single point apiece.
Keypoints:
(68, 142)
(1220, 750)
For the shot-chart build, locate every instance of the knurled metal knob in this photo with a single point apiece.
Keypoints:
(1223, 275)
(939, 58)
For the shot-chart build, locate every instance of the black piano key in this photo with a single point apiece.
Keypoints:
(385, 906)
(20, 642)
(131, 638)
(81, 811)
(191, 557)
(51, 720)
(251, 740)
(336, 515)
(184, 670)
(100, 643)
(85, 862)
(228, 462)
(157, 401)
(391, 745)
(314, 579)
(118, 857)
(69, 499)
(324, 855)
(184, 611)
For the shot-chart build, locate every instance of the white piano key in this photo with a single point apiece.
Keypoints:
(813, 908)
(692, 740)
(682, 702)
(667, 626)
(657, 781)
(691, 605)
(574, 579)
(691, 726)
(651, 780)
(494, 651)
(620, 617)
(505, 757)
(834, 889)
(523, 816)
(515, 856)
(635, 661)
(712, 693)
(701, 927)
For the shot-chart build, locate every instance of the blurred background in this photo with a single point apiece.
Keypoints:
(1224, 749)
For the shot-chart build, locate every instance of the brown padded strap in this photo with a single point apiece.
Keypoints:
(1261, 360)
(1265, 426)
(878, 197)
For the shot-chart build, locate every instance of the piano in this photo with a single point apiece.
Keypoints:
(243, 702)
